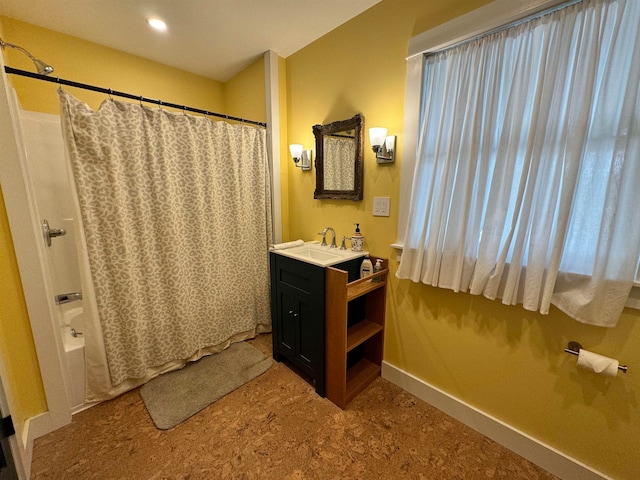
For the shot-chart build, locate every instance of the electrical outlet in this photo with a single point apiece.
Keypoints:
(381, 206)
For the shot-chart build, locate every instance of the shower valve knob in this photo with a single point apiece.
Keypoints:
(49, 233)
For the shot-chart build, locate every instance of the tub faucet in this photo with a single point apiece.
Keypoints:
(68, 297)
(324, 235)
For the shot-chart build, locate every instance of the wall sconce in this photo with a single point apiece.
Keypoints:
(383, 146)
(302, 158)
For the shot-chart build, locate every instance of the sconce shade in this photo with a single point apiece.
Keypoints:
(390, 142)
(383, 146)
(377, 136)
(296, 151)
(305, 160)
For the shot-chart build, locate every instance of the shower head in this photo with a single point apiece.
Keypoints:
(42, 67)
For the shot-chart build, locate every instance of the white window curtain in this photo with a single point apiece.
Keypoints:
(528, 163)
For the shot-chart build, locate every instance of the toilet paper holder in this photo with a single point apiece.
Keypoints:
(574, 349)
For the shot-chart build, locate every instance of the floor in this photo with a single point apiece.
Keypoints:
(276, 427)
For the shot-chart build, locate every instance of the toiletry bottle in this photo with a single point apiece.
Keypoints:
(377, 268)
(357, 240)
(366, 268)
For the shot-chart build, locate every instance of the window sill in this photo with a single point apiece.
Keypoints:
(633, 301)
(398, 248)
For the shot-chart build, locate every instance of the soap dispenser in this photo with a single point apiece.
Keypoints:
(357, 240)
(377, 268)
(366, 268)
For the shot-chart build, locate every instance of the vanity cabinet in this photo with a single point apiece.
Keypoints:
(298, 314)
(355, 314)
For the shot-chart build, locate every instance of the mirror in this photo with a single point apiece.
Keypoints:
(339, 165)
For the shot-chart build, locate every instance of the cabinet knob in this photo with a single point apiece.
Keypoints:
(290, 312)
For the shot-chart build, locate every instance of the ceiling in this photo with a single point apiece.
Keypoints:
(213, 38)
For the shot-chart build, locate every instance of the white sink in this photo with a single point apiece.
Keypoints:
(312, 252)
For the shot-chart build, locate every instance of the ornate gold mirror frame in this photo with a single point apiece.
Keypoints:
(339, 159)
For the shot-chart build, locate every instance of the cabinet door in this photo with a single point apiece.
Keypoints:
(297, 310)
(287, 317)
(310, 339)
(309, 334)
(299, 328)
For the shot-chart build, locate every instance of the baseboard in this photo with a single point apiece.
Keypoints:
(33, 428)
(524, 445)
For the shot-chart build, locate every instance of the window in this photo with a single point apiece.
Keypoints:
(528, 154)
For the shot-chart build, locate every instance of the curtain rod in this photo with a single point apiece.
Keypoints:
(140, 98)
(506, 26)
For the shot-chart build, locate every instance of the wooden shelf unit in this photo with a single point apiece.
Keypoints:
(354, 341)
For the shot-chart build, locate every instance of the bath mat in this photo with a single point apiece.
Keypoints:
(174, 397)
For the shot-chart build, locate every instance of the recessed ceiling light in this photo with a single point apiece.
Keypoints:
(157, 24)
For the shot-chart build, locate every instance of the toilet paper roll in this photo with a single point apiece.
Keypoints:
(282, 246)
(598, 363)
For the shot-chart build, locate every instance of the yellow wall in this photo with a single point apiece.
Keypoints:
(16, 342)
(87, 62)
(503, 360)
(244, 94)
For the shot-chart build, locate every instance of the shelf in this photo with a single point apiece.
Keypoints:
(354, 332)
(365, 285)
(361, 332)
(359, 376)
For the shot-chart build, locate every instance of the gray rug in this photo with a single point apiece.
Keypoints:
(173, 397)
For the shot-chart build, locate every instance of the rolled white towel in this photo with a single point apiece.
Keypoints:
(282, 246)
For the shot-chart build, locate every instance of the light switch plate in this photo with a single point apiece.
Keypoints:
(381, 206)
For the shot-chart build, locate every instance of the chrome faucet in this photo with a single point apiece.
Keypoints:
(68, 297)
(324, 235)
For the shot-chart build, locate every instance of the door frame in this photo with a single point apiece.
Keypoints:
(13, 458)
(26, 235)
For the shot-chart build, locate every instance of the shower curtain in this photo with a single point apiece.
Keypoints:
(175, 214)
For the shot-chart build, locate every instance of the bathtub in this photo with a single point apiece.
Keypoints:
(73, 318)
